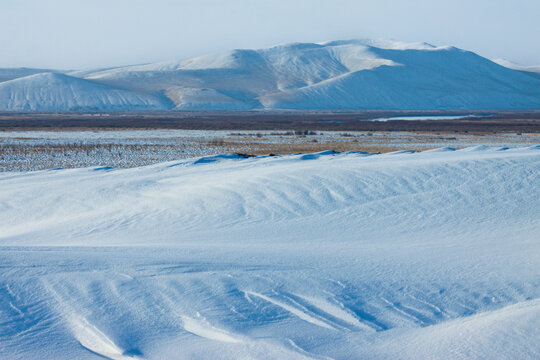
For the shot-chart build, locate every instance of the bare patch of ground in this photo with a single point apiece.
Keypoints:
(38, 150)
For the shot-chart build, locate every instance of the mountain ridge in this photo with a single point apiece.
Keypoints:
(333, 75)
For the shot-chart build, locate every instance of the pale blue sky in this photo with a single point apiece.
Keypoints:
(72, 34)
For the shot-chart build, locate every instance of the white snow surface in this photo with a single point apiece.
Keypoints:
(431, 255)
(334, 75)
(54, 91)
(514, 66)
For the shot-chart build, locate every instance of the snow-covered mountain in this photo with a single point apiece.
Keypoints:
(52, 91)
(353, 74)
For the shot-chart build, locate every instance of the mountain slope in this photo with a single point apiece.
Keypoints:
(355, 74)
(442, 79)
(247, 75)
(52, 91)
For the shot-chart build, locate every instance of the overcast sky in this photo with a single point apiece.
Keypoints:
(69, 34)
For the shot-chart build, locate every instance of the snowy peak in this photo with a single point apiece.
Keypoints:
(385, 44)
(236, 59)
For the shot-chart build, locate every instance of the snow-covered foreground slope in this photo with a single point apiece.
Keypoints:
(404, 255)
(53, 91)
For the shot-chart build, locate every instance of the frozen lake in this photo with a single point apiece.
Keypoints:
(432, 117)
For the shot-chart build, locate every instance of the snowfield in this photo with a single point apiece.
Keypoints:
(430, 255)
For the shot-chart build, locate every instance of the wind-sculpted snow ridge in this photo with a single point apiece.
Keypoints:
(404, 255)
(53, 91)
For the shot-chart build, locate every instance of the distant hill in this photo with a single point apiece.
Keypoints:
(52, 91)
(344, 75)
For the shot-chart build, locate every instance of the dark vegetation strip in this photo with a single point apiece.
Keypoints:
(485, 122)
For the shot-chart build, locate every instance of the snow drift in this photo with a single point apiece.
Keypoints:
(403, 255)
